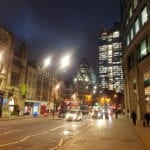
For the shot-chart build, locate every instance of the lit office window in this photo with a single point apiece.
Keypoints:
(137, 26)
(143, 48)
(110, 61)
(109, 38)
(127, 21)
(110, 52)
(128, 40)
(116, 34)
(131, 33)
(130, 12)
(135, 2)
(109, 47)
(144, 15)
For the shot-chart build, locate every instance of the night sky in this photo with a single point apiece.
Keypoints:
(59, 26)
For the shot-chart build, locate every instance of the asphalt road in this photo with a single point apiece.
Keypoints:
(38, 134)
(88, 134)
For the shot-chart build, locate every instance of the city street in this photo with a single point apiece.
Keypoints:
(37, 133)
(46, 133)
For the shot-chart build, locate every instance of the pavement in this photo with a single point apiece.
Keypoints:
(142, 132)
(27, 117)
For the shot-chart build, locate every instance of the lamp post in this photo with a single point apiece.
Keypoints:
(59, 65)
(46, 63)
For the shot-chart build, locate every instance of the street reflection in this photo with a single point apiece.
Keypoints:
(104, 121)
(66, 132)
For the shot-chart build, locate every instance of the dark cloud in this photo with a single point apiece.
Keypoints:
(57, 25)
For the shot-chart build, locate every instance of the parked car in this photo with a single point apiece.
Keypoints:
(74, 115)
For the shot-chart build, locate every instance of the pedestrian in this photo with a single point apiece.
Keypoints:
(128, 112)
(147, 118)
(116, 114)
(53, 113)
(134, 117)
(18, 110)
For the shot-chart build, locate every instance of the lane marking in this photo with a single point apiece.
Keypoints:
(75, 134)
(32, 135)
(29, 136)
(11, 131)
(9, 144)
(56, 128)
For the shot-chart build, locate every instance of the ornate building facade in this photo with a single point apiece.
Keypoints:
(25, 87)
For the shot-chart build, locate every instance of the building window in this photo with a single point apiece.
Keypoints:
(116, 34)
(135, 2)
(127, 21)
(131, 34)
(143, 48)
(131, 61)
(137, 26)
(128, 40)
(144, 15)
(14, 78)
(130, 12)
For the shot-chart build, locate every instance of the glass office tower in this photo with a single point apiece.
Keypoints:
(110, 59)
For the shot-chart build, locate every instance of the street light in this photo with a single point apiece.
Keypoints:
(56, 67)
(47, 62)
(65, 61)
(1, 56)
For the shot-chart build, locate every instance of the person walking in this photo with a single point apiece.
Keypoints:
(134, 117)
(116, 114)
(147, 118)
(53, 113)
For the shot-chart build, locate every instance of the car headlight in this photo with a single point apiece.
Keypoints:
(109, 111)
(75, 116)
(67, 116)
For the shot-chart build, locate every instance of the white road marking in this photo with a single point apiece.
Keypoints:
(32, 135)
(62, 139)
(9, 144)
(27, 137)
(11, 131)
(56, 128)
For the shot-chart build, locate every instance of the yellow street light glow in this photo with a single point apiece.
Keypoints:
(57, 86)
(1, 56)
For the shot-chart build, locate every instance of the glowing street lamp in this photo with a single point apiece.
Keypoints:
(0, 56)
(47, 62)
(65, 61)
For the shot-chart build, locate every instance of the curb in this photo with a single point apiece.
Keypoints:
(27, 117)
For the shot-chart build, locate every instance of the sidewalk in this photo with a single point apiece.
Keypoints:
(89, 140)
(143, 133)
(26, 117)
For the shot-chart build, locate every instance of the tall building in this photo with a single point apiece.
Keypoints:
(110, 59)
(84, 81)
(136, 49)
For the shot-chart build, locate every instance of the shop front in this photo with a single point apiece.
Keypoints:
(31, 107)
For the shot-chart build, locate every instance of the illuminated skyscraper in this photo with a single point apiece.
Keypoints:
(110, 59)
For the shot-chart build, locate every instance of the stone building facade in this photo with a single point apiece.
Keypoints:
(25, 87)
(136, 52)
